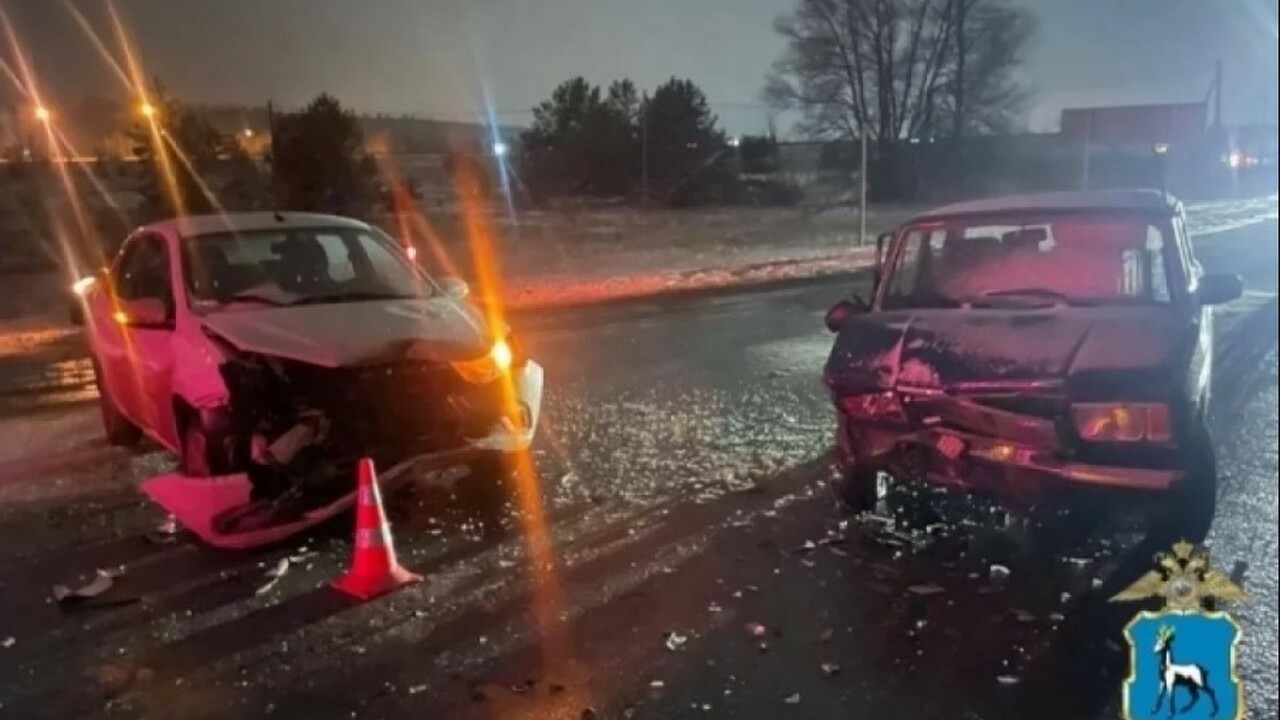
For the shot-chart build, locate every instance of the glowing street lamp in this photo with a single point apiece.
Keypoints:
(501, 149)
(147, 109)
(43, 114)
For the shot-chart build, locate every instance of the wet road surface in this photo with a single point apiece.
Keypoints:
(699, 568)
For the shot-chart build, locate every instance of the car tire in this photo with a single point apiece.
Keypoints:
(857, 488)
(201, 452)
(1192, 504)
(120, 431)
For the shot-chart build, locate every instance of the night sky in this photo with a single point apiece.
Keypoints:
(437, 57)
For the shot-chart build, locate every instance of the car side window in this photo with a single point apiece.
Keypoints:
(143, 272)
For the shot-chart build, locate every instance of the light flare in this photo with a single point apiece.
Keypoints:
(547, 593)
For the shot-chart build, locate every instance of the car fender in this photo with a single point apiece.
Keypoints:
(197, 380)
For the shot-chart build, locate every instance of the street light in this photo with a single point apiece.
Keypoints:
(43, 114)
(147, 109)
(500, 149)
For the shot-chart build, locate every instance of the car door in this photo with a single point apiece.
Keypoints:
(141, 354)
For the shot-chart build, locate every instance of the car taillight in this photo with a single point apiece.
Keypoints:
(1122, 422)
(874, 406)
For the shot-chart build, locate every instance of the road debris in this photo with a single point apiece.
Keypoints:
(102, 581)
(830, 669)
(998, 574)
(8, 642)
(926, 589)
(274, 574)
(1008, 679)
(656, 684)
(793, 699)
(676, 641)
(416, 689)
(756, 630)
(166, 533)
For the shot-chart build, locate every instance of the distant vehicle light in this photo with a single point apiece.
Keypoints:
(1235, 160)
(82, 285)
(735, 142)
(1161, 148)
(121, 317)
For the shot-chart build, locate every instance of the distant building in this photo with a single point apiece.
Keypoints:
(1169, 123)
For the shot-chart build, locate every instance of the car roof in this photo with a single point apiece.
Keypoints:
(193, 225)
(1102, 200)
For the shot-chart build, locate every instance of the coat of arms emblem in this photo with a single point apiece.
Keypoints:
(1182, 659)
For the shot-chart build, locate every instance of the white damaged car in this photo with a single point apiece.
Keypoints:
(272, 351)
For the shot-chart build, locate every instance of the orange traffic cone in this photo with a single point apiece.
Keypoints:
(374, 568)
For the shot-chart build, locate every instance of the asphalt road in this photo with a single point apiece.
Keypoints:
(681, 557)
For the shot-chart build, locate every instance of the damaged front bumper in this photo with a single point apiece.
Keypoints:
(958, 442)
(515, 434)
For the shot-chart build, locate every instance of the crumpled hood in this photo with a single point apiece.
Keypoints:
(951, 348)
(357, 333)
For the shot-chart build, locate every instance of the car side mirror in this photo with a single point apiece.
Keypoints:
(144, 312)
(842, 311)
(1219, 288)
(455, 288)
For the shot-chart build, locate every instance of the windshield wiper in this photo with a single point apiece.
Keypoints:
(352, 297)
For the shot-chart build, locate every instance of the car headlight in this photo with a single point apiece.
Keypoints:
(1122, 422)
(874, 406)
(501, 357)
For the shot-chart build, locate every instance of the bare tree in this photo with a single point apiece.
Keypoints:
(901, 68)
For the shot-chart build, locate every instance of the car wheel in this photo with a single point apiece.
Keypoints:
(120, 431)
(201, 454)
(857, 488)
(1192, 504)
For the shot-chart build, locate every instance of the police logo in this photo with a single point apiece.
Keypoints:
(1182, 659)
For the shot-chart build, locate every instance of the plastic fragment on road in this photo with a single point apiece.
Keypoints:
(676, 641)
(926, 590)
(101, 582)
(998, 573)
(273, 575)
(793, 699)
(830, 669)
(1008, 679)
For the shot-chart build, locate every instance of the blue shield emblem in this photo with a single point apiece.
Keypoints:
(1182, 665)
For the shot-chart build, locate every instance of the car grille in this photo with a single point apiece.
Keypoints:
(403, 408)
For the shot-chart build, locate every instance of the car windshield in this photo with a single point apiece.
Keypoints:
(1031, 261)
(296, 267)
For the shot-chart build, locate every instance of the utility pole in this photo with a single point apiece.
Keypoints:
(862, 188)
(1088, 141)
(1217, 94)
(644, 154)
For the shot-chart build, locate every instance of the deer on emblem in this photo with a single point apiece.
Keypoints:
(1195, 678)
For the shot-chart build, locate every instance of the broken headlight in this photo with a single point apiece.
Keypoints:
(1122, 422)
(502, 356)
(874, 406)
